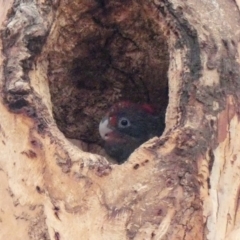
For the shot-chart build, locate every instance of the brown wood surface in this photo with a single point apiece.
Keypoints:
(63, 63)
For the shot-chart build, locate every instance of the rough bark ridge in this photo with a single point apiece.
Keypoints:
(184, 185)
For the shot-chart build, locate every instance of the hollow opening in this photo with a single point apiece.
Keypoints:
(104, 52)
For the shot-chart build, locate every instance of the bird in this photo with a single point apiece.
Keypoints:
(126, 126)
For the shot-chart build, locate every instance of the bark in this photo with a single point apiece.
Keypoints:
(63, 63)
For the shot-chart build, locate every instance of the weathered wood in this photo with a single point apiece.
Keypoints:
(63, 63)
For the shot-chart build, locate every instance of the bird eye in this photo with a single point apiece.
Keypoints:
(123, 123)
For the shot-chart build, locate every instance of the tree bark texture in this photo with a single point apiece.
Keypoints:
(63, 63)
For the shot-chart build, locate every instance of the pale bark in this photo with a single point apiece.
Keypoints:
(183, 185)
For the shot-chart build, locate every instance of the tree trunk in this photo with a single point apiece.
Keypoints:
(63, 63)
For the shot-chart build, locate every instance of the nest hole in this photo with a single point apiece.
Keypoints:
(104, 52)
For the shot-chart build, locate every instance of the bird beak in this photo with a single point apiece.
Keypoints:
(104, 129)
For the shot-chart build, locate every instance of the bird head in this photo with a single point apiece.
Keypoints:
(126, 126)
(126, 119)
